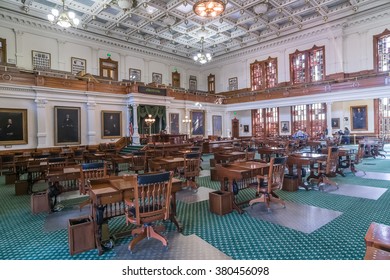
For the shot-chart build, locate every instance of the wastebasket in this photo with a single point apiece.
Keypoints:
(40, 202)
(220, 202)
(81, 236)
(290, 183)
(21, 187)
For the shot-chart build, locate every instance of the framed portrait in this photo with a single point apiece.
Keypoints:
(197, 122)
(13, 126)
(111, 124)
(359, 117)
(78, 65)
(66, 125)
(285, 127)
(335, 122)
(157, 78)
(233, 83)
(134, 75)
(174, 123)
(217, 125)
(246, 128)
(41, 60)
(193, 85)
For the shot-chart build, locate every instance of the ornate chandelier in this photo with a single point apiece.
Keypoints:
(63, 18)
(209, 8)
(201, 57)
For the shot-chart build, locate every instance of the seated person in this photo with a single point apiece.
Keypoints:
(53, 191)
(300, 134)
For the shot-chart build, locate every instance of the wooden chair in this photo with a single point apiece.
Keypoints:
(191, 169)
(150, 204)
(93, 170)
(328, 169)
(138, 162)
(269, 183)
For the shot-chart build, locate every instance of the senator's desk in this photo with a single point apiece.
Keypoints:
(214, 146)
(229, 156)
(378, 236)
(117, 159)
(303, 159)
(241, 172)
(170, 163)
(266, 152)
(67, 177)
(108, 198)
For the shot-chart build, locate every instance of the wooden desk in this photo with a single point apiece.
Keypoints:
(108, 202)
(378, 236)
(266, 152)
(373, 253)
(68, 178)
(303, 159)
(117, 159)
(229, 156)
(242, 172)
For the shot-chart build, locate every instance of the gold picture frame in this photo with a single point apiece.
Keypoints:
(13, 127)
(111, 124)
(67, 128)
(197, 123)
(359, 117)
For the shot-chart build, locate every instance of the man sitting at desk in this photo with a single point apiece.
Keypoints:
(300, 134)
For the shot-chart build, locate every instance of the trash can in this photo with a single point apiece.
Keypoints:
(21, 187)
(40, 202)
(290, 183)
(81, 235)
(220, 202)
(10, 177)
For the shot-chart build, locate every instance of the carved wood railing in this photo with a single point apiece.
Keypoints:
(61, 79)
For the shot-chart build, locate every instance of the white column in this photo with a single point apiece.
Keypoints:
(227, 132)
(146, 74)
(41, 122)
(167, 112)
(19, 48)
(95, 61)
(135, 122)
(123, 74)
(329, 118)
(91, 122)
(61, 61)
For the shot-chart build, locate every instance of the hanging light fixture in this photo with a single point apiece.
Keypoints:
(209, 8)
(201, 57)
(63, 18)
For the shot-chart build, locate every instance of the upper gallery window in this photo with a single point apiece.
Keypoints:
(307, 66)
(264, 74)
(382, 51)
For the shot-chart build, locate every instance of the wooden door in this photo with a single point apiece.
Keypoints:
(176, 79)
(235, 128)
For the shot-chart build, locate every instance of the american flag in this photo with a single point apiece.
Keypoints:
(131, 129)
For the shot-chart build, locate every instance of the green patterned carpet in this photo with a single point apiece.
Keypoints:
(22, 235)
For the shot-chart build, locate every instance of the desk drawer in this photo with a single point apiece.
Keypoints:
(110, 198)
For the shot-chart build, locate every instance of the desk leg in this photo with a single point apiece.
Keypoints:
(172, 216)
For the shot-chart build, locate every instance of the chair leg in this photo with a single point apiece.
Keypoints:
(137, 239)
(151, 233)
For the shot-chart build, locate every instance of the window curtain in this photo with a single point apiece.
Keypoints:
(157, 112)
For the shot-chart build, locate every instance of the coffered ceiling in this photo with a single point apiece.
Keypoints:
(172, 27)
